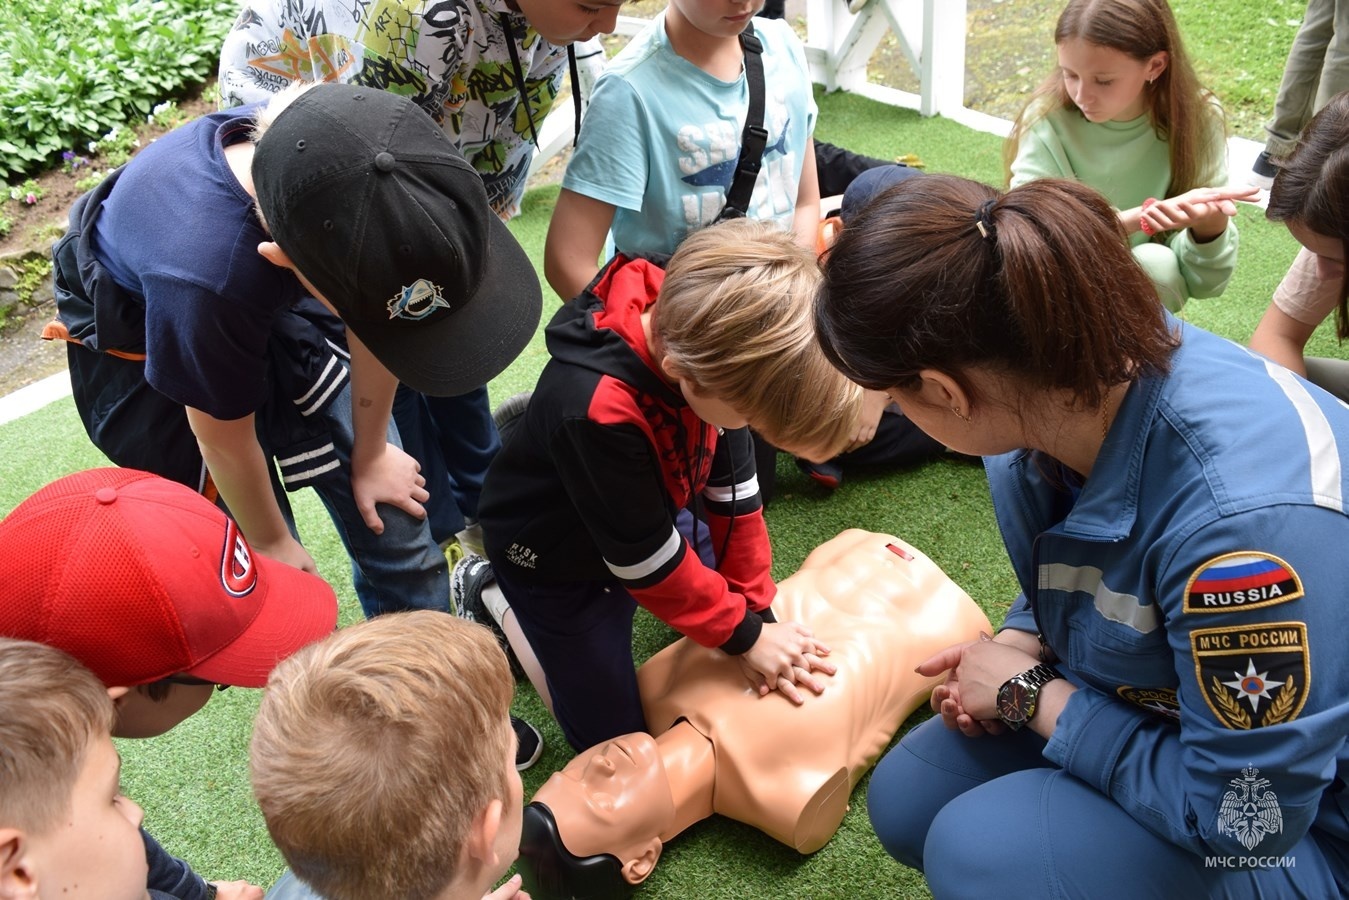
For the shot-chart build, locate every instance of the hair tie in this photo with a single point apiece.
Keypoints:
(983, 220)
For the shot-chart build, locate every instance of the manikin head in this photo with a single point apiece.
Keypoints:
(613, 803)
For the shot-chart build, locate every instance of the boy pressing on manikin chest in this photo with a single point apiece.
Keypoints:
(152, 588)
(643, 409)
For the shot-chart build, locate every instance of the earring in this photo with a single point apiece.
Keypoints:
(959, 415)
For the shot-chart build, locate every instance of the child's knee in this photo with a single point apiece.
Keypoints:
(1160, 262)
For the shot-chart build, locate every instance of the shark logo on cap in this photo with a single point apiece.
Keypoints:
(238, 574)
(417, 301)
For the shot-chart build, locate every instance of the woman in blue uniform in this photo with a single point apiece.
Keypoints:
(1165, 710)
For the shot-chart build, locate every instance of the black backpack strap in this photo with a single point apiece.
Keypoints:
(754, 139)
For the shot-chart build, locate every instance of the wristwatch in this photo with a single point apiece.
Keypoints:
(1018, 695)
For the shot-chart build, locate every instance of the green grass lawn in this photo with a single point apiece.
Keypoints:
(193, 782)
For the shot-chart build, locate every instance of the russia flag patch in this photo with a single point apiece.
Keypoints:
(1241, 580)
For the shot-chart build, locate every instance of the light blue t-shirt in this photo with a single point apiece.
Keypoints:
(661, 138)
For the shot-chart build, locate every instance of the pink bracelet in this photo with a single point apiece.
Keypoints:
(1143, 225)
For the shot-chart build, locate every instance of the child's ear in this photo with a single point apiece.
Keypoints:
(670, 369)
(17, 880)
(1157, 65)
(636, 870)
(272, 252)
(482, 835)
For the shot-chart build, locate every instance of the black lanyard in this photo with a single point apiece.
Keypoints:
(754, 139)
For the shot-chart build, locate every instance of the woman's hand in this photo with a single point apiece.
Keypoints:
(976, 670)
(784, 656)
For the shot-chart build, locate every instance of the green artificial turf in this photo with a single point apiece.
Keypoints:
(193, 782)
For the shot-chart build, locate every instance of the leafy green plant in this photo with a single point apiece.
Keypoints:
(28, 193)
(73, 162)
(90, 181)
(32, 270)
(166, 115)
(116, 147)
(66, 78)
(6, 225)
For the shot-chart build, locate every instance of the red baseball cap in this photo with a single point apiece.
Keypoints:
(140, 578)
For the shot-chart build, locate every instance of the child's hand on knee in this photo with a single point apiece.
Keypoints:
(393, 477)
(785, 655)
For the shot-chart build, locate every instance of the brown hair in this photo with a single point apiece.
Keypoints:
(1180, 108)
(733, 318)
(375, 748)
(51, 707)
(1312, 186)
(1051, 297)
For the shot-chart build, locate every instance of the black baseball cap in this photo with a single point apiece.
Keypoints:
(382, 214)
(871, 184)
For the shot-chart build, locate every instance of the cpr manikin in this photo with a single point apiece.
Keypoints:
(595, 829)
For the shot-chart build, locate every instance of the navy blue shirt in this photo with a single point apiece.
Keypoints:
(180, 234)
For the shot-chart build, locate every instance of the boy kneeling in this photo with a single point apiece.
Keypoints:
(641, 413)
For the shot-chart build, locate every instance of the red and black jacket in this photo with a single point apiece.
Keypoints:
(588, 484)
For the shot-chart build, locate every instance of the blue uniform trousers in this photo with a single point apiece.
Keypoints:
(987, 817)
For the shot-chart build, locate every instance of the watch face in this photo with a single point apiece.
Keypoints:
(1012, 702)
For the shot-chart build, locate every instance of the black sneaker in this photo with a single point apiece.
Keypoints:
(507, 416)
(471, 574)
(529, 746)
(1263, 171)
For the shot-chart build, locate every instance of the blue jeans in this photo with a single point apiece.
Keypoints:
(990, 817)
(401, 569)
(454, 439)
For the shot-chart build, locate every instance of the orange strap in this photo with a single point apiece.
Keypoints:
(56, 330)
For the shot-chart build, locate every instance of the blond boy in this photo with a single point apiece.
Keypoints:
(384, 762)
(65, 828)
(642, 411)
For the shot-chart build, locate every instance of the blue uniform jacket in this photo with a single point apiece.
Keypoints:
(1196, 586)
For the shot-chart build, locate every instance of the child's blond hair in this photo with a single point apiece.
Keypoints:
(734, 318)
(268, 111)
(51, 707)
(375, 749)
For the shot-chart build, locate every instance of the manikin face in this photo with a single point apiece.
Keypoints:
(566, 21)
(717, 18)
(1329, 251)
(1106, 84)
(95, 851)
(612, 799)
